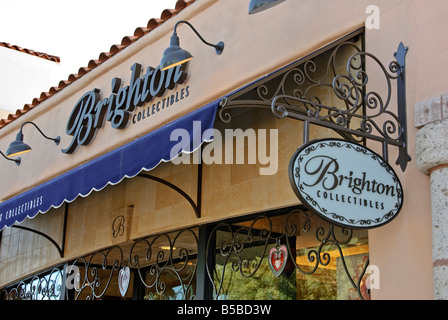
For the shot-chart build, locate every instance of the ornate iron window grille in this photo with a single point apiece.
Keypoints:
(350, 108)
(151, 265)
(243, 237)
(157, 269)
(44, 286)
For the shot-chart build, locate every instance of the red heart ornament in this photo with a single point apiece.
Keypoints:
(277, 259)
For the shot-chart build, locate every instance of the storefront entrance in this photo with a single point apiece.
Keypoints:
(309, 259)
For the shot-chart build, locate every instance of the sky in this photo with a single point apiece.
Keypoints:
(76, 31)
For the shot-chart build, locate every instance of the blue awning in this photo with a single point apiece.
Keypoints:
(127, 161)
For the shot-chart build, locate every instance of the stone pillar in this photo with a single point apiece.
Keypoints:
(432, 159)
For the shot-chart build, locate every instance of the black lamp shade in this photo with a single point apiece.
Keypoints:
(256, 6)
(174, 54)
(17, 146)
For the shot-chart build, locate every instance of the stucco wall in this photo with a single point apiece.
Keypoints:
(253, 48)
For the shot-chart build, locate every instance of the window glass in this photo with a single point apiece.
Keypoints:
(318, 255)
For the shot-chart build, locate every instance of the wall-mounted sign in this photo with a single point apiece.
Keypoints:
(120, 108)
(346, 183)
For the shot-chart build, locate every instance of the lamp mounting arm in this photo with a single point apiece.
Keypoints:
(17, 161)
(56, 140)
(219, 47)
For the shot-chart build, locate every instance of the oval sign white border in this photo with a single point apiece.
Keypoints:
(346, 183)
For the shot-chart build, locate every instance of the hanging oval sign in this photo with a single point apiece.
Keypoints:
(346, 183)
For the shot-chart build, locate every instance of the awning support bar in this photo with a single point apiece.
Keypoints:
(196, 206)
(61, 247)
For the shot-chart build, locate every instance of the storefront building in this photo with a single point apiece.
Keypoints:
(183, 183)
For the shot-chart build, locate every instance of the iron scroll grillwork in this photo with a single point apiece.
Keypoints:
(46, 286)
(175, 262)
(161, 263)
(155, 263)
(324, 94)
(236, 251)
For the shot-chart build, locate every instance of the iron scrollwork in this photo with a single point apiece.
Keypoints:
(40, 287)
(157, 263)
(172, 262)
(234, 251)
(319, 92)
(93, 274)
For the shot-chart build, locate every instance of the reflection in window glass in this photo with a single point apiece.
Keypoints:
(46, 286)
(168, 265)
(169, 284)
(318, 255)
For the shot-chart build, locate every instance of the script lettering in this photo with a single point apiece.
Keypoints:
(326, 169)
(90, 111)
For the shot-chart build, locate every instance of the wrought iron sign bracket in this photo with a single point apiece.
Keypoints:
(316, 91)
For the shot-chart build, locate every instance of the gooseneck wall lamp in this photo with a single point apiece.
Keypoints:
(17, 161)
(256, 6)
(18, 146)
(174, 55)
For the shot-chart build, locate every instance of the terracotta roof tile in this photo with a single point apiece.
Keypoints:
(154, 23)
(93, 63)
(168, 13)
(103, 56)
(31, 52)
